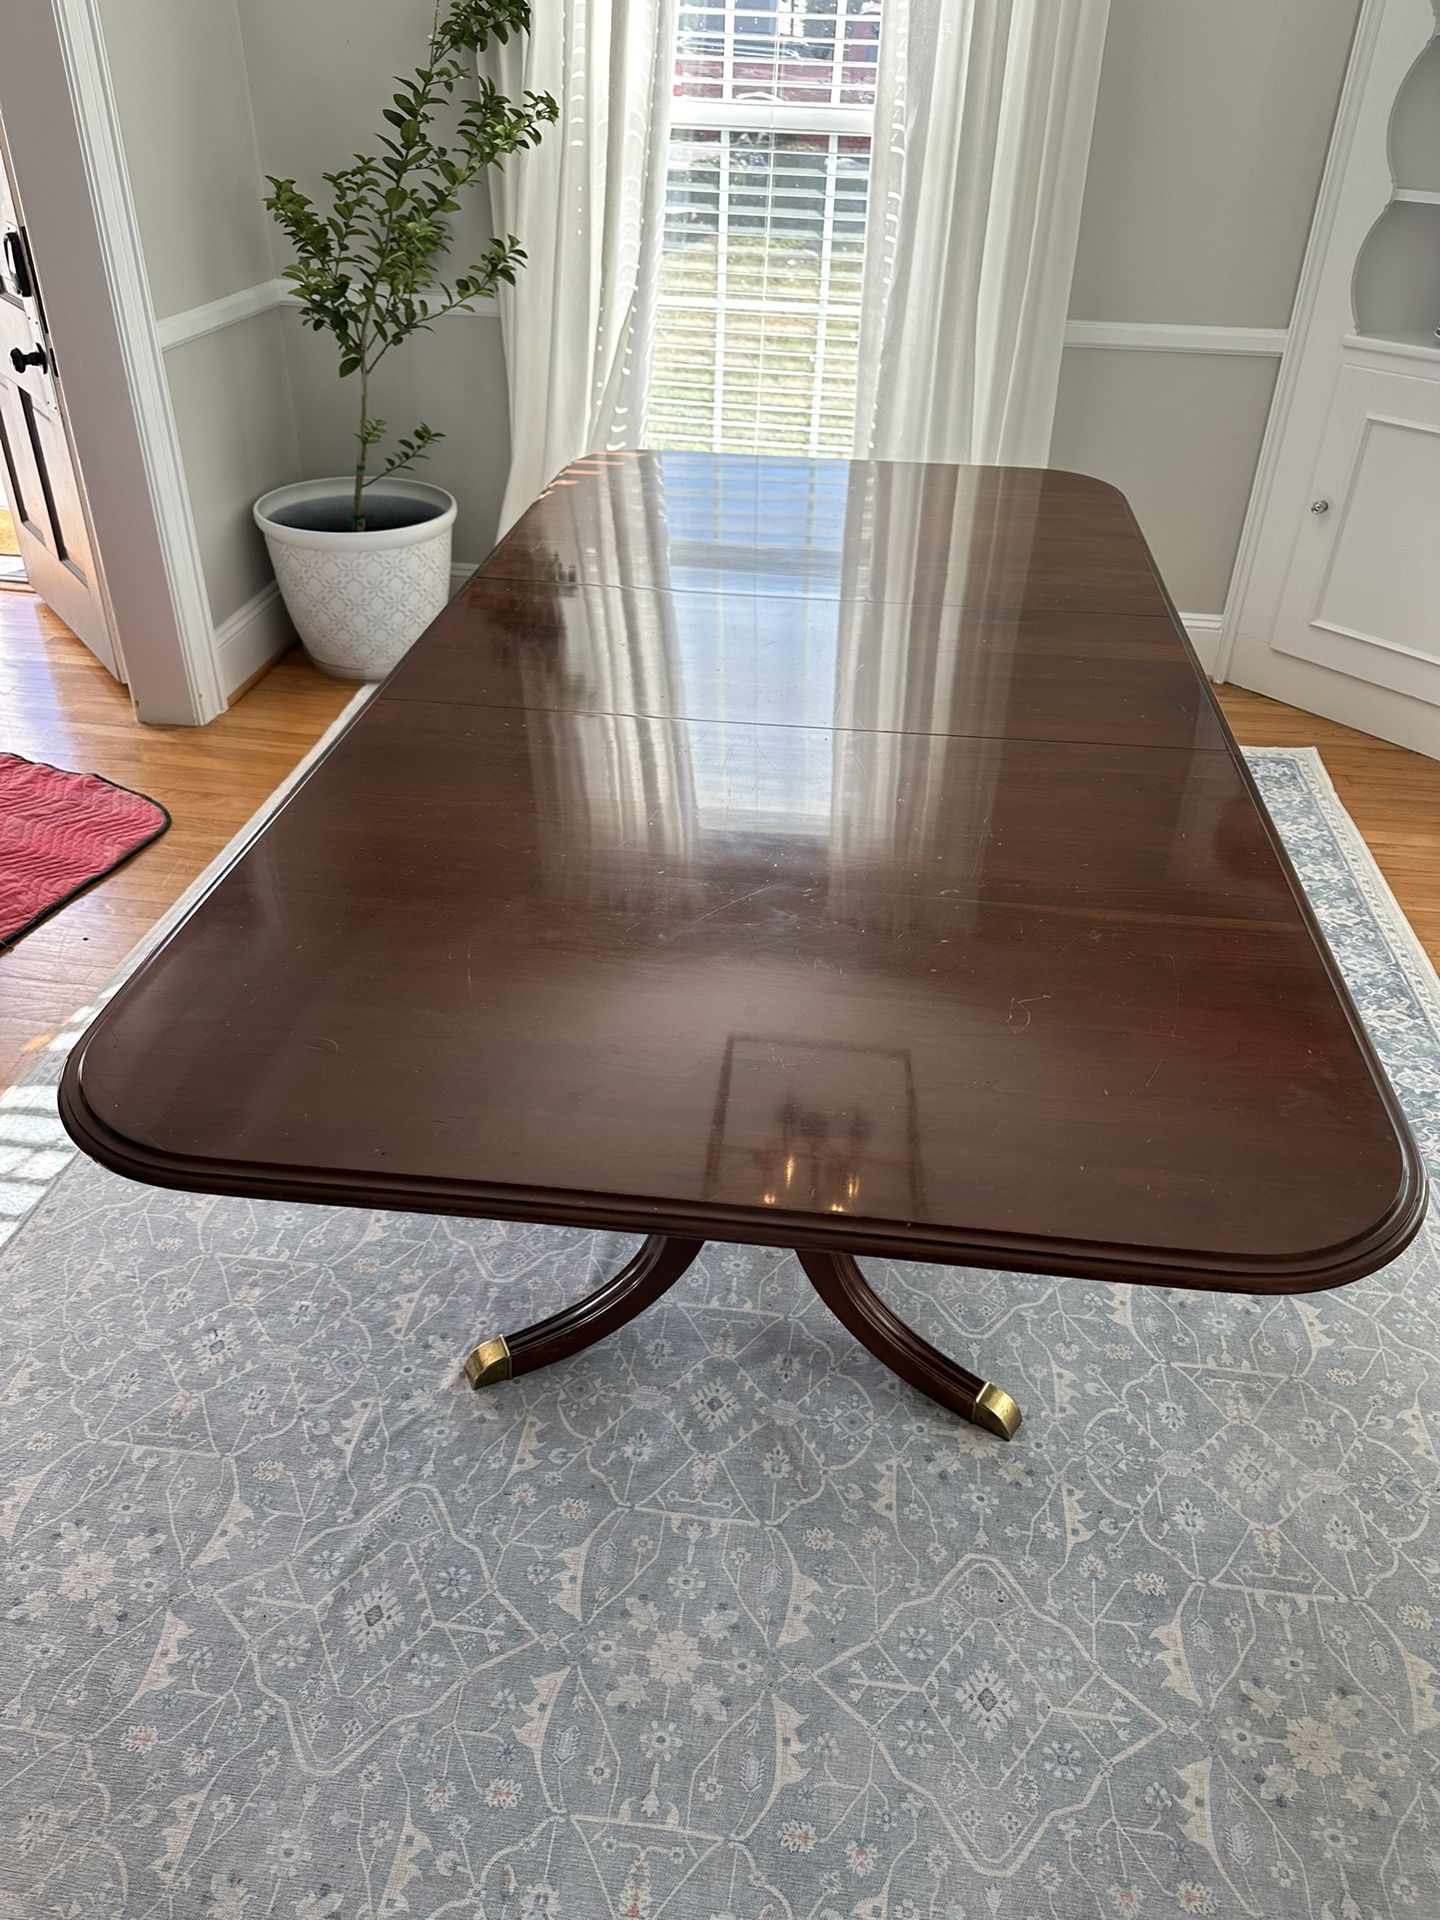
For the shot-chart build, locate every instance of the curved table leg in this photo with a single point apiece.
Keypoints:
(653, 1271)
(837, 1278)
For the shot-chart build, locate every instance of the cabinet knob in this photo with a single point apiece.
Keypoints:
(1320, 506)
(20, 361)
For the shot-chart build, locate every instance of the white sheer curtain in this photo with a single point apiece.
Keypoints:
(984, 111)
(588, 206)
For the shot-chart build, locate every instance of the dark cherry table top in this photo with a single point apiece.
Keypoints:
(804, 853)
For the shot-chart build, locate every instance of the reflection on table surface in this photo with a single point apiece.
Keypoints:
(787, 1110)
(785, 838)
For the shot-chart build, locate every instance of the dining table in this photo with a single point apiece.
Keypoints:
(842, 856)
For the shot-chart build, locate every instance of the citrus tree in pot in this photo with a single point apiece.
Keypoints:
(363, 560)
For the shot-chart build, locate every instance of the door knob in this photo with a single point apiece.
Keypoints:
(1320, 506)
(35, 358)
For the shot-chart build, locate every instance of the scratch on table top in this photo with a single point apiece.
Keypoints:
(739, 900)
(1174, 1022)
(1025, 1005)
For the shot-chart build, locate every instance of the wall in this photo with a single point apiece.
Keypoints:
(452, 377)
(1212, 128)
(212, 96)
(183, 100)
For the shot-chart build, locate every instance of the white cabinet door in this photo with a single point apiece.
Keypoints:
(41, 483)
(1363, 591)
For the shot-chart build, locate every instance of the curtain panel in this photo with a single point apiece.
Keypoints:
(984, 112)
(588, 206)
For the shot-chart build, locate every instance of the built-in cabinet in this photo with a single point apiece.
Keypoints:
(1337, 598)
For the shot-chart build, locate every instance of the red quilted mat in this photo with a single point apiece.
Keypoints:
(58, 833)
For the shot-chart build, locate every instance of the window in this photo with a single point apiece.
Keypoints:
(758, 322)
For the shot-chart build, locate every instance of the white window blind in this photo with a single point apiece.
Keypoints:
(758, 321)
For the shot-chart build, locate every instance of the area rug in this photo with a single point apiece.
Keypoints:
(59, 833)
(717, 1621)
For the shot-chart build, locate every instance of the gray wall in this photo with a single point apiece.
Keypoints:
(1212, 126)
(1179, 434)
(212, 96)
(183, 97)
(319, 79)
(231, 392)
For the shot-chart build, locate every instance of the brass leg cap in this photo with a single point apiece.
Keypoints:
(996, 1412)
(490, 1362)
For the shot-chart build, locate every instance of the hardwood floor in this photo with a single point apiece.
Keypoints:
(58, 704)
(1392, 795)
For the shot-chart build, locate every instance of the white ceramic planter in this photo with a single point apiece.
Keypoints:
(359, 600)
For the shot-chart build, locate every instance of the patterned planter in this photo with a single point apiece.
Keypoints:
(359, 600)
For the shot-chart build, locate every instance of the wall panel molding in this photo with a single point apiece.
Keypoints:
(1155, 336)
(244, 304)
(1119, 336)
(196, 322)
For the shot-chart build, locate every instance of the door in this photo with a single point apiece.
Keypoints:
(1363, 591)
(1336, 605)
(40, 480)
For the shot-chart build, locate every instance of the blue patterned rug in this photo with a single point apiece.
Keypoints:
(717, 1622)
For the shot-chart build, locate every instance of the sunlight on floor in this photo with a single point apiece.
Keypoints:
(10, 567)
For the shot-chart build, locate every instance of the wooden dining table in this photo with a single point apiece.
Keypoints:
(839, 856)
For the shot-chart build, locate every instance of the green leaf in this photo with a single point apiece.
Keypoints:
(364, 265)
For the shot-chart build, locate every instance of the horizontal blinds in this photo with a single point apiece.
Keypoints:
(768, 174)
(817, 54)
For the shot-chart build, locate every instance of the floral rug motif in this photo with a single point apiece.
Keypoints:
(717, 1621)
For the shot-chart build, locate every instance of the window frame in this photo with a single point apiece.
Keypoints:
(831, 120)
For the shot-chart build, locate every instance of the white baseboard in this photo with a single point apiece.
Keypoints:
(251, 638)
(261, 631)
(1204, 631)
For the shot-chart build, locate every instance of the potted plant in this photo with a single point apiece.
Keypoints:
(363, 560)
